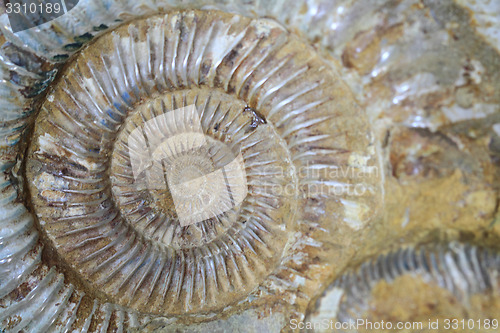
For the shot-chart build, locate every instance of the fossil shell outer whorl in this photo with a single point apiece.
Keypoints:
(257, 89)
(233, 127)
(429, 281)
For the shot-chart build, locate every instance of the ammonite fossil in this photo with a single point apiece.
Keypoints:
(464, 279)
(217, 165)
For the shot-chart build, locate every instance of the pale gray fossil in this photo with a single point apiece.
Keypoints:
(461, 271)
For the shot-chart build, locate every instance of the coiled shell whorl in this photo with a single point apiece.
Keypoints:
(419, 285)
(158, 103)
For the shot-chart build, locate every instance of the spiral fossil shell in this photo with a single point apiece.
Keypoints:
(463, 271)
(196, 165)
